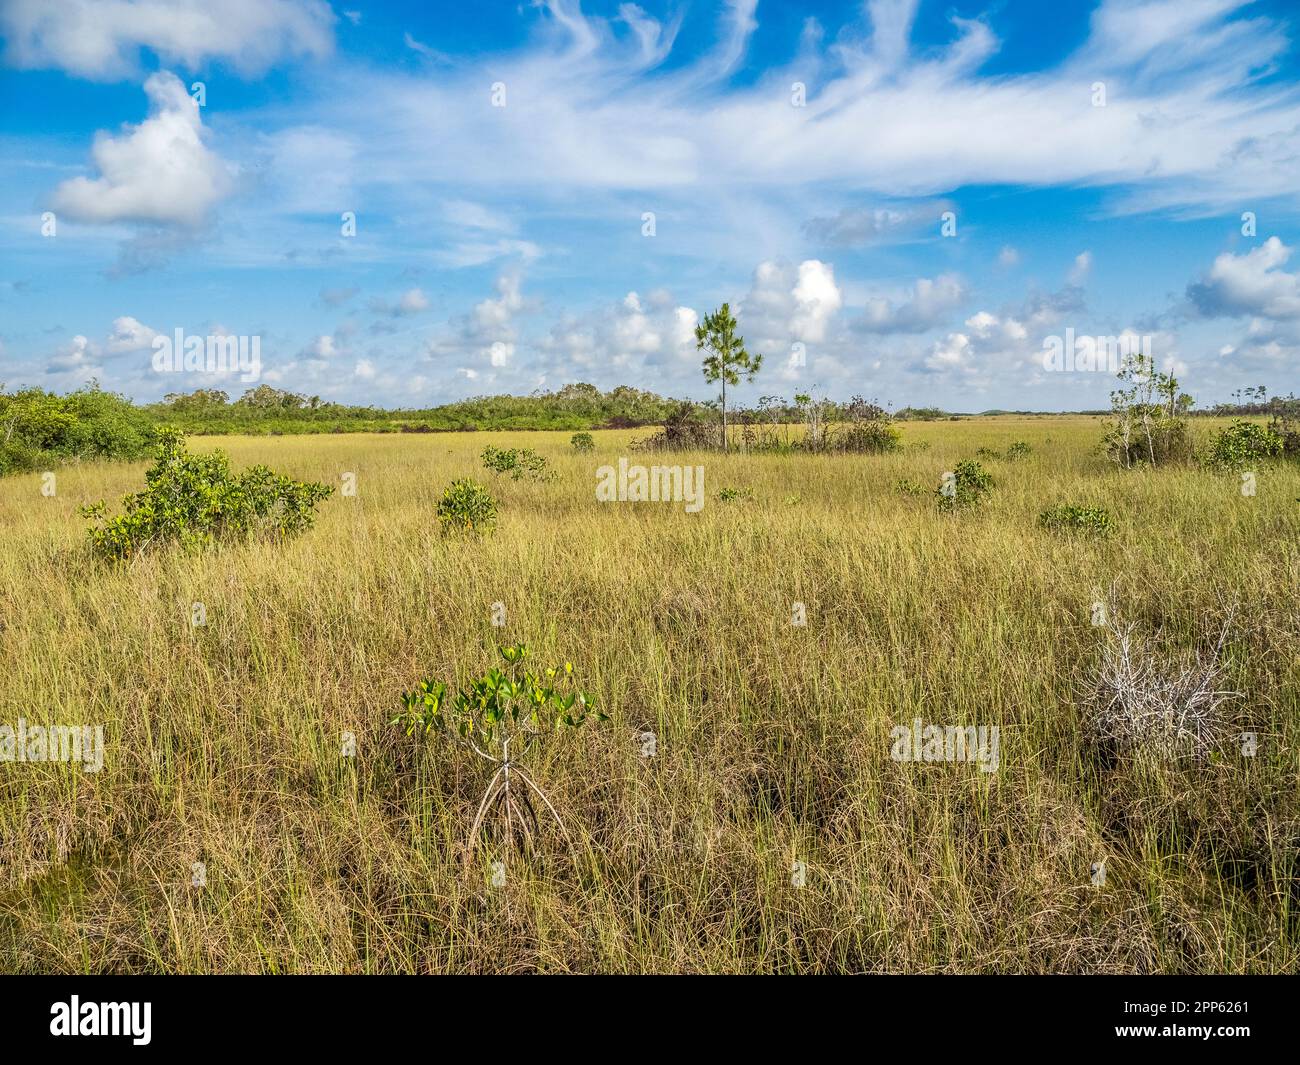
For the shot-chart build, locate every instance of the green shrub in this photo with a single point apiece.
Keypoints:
(466, 507)
(908, 487)
(965, 486)
(518, 462)
(501, 717)
(1241, 444)
(39, 429)
(1066, 517)
(195, 500)
(736, 495)
(582, 442)
(1018, 450)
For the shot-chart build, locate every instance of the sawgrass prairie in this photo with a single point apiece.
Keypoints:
(765, 828)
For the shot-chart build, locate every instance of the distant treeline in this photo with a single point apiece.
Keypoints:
(39, 428)
(265, 409)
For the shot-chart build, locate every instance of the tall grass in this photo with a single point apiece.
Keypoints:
(772, 740)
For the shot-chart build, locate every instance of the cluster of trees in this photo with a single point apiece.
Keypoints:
(265, 409)
(39, 429)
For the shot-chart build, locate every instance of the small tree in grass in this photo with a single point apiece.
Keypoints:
(501, 717)
(727, 359)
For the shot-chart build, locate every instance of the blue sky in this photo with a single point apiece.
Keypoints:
(1101, 162)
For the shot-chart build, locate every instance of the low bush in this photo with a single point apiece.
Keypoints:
(965, 486)
(1241, 444)
(582, 442)
(466, 507)
(39, 429)
(520, 463)
(195, 500)
(1066, 517)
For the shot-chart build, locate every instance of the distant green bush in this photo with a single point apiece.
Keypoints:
(582, 442)
(1066, 517)
(466, 507)
(520, 463)
(1019, 450)
(1241, 444)
(39, 429)
(965, 486)
(736, 495)
(908, 487)
(195, 500)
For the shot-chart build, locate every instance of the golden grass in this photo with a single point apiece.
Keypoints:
(223, 743)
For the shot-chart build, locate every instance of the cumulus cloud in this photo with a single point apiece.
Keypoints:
(635, 334)
(1081, 268)
(101, 39)
(787, 305)
(923, 308)
(128, 335)
(1250, 284)
(77, 356)
(159, 171)
(412, 301)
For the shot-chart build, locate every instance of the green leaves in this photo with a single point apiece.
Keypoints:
(195, 500)
(518, 462)
(1243, 443)
(1066, 517)
(501, 704)
(728, 357)
(466, 507)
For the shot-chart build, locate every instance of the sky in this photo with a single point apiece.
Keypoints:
(404, 204)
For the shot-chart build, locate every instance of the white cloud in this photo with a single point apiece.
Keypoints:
(1186, 94)
(412, 301)
(77, 356)
(1249, 284)
(921, 309)
(101, 39)
(128, 335)
(159, 171)
(788, 305)
(1081, 268)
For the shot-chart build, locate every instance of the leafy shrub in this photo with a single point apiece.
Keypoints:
(1070, 518)
(504, 708)
(466, 507)
(988, 453)
(908, 487)
(1150, 423)
(1018, 450)
(736, 495)
(868, 429)
(195, 500)
(518, 462)
(1241, 444)
(582, 442)
(965, 486)
(1285, 423)
(39, 429)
